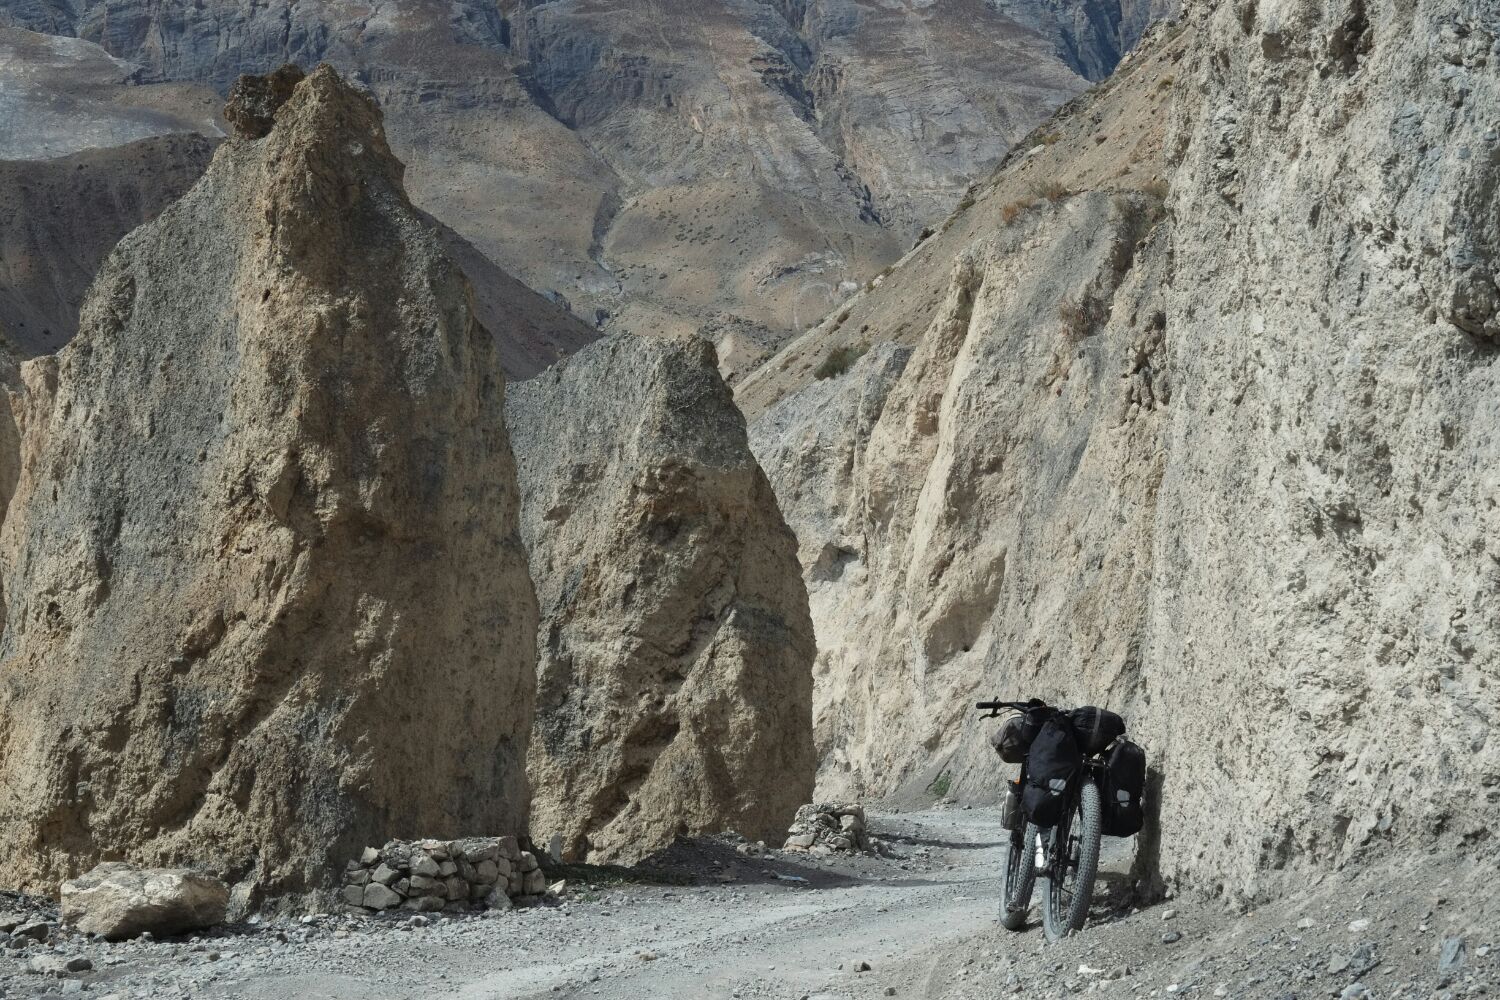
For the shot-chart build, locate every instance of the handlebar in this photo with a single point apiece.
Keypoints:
(994, 707)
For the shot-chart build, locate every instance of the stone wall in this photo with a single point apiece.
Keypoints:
(479, 873)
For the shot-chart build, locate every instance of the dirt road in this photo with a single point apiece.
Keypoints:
(923, 923)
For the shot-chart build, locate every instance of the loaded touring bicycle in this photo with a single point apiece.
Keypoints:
(1080, 780)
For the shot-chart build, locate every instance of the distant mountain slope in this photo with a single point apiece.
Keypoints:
(60, 218)
(63, 95)
(732, 162)
(92, 154)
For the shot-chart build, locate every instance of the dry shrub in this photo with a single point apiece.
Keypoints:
(1013, 209)
(1079, 317)
(839, 360)
(1052, 190)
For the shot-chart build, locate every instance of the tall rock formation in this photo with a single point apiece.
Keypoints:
(675, 651)
(265, 598)
(1226, 466)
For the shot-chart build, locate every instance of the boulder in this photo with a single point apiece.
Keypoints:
(265, 598)
(117, 901)
(675, 652)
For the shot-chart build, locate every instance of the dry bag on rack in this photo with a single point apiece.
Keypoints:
(1095, 728)
(1124, 789)
(1013, 740)
(1051, 767)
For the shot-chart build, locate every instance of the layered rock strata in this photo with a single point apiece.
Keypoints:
(265, 502)
(675, 651)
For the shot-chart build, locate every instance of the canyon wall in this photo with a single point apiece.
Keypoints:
(1199, 425)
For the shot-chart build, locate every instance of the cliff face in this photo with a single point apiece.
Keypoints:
(265, 599)
(1224, 465)
(674, 671)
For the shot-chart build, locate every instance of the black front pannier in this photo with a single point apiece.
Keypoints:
(1014, 738)
(1095, 728)
(1051, 768)
(1124, 789)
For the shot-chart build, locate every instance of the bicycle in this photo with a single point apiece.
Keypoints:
(1065, 855)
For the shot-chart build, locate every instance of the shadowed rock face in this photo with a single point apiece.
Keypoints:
(60, 218)
(675, 651)
(253, 100)
(1226, 466)
(265, 599)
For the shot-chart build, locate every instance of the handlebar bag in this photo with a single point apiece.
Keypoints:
(1124, 790)
(1013, 739)
(1051, 766)
(1095, 728)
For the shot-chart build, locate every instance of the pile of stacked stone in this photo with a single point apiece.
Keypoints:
(824, 826)
(479, 873)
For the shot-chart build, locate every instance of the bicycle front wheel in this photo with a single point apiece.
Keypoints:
(1073, 865)
(1020, 877)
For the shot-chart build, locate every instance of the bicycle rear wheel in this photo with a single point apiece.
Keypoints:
(1073, 863)
(1020, 877)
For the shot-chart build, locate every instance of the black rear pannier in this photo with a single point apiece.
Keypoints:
(1014, 738)
(1051, 768)
(1095, 728)
(1124, 788)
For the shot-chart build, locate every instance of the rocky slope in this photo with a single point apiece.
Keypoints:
(265, 599)
(742, 163)
(1221, 464)
(675, 651)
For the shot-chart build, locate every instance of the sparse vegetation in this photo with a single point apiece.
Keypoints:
(840, 360)
(885, 272)
(1011, 210)
(941, 785)
(1079, 317)
(1052, 190)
